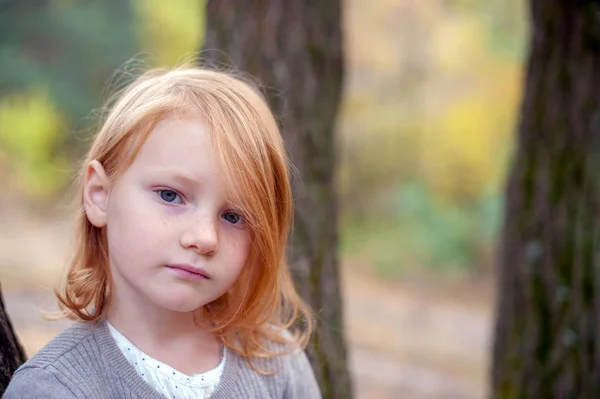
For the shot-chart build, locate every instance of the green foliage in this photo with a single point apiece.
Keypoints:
(30, 128)
(71, 47)
(423, 232)
(170, 31)
(450, 235)
(54, 62)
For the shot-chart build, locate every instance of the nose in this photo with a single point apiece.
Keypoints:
(202, 236)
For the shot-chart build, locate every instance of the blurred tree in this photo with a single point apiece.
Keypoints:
(548, 315)
(295, 49)
(12, 354)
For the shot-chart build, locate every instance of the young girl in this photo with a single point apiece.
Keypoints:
(178, 282)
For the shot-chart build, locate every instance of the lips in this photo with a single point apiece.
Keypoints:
(190, 270)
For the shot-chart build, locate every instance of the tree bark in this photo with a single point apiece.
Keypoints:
(12, 354)
(548, 314)
(295, 49)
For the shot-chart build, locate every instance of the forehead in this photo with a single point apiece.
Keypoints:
(184, 147)
(176, 141)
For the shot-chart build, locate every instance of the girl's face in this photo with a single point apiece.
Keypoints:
(174, 241)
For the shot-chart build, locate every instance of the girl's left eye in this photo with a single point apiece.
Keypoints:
(169, 196)
(233, 217)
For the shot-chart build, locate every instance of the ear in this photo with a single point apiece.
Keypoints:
(95, 194)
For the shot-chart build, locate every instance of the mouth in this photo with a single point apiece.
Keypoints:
(189, 271)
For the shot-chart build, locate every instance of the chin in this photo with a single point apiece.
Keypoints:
(180, 303)
(182, 307)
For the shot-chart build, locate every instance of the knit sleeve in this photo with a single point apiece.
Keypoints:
(37, 382)
(302, 383)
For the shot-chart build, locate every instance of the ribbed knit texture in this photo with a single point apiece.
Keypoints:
(85, 362)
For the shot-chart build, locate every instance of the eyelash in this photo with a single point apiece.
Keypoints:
(239, 215)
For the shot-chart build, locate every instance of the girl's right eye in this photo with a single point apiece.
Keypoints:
(169, 196)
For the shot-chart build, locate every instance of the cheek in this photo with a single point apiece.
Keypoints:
(133, 231)
(238, 247)
(242, 247)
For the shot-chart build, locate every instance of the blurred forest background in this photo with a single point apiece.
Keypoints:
(425, 134)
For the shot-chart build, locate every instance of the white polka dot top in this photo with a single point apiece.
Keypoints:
(165, 379)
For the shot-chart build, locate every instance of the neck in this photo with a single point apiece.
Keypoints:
(167, 336)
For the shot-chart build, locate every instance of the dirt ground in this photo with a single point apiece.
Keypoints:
(406, 340)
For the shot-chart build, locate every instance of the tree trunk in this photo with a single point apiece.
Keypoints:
(295, 49)
(12, 354)
(548, 315)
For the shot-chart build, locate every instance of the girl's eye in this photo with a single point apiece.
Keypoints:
(169, 196)
(233, 217)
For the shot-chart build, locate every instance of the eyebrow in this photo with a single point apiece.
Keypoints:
(178, 175)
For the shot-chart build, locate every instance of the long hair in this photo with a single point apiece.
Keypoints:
(263, 303)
